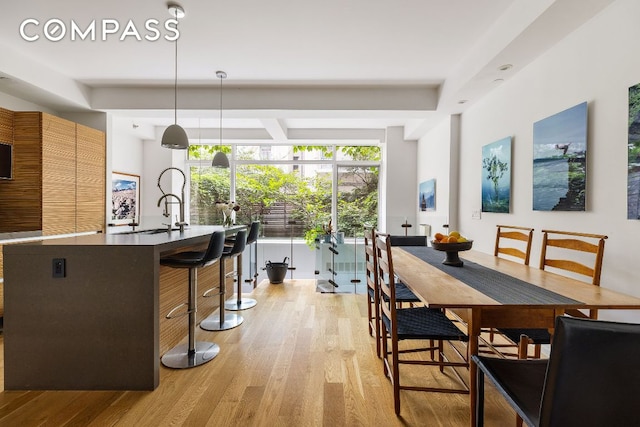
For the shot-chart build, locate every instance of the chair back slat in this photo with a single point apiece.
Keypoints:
(514, 232)
(562, 261)
(567, 247)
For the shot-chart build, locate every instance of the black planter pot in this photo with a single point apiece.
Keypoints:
(276, 271)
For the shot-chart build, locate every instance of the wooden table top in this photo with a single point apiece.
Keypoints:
(441, 290)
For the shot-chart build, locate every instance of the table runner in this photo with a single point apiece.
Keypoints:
(499, 286)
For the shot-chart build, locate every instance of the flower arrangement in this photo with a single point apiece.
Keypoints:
(228, 209)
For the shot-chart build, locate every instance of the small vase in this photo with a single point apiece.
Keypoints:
(228, 219)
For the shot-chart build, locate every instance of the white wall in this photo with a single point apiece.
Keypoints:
(434, 162)
(597, 63)
(399, 196)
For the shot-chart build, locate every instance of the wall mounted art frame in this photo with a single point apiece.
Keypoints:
(427, 195)
(125, 198)
(496, 176)
(633, 146)
(560, 161)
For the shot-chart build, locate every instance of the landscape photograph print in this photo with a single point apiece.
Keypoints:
(496, 176)
(427, 196)
(125, 198)
(633, 144)
(559, 161)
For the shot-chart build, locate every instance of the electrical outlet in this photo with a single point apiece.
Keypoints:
(59, 269)
(476, 214)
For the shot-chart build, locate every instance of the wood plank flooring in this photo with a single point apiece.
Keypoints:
(300, 358)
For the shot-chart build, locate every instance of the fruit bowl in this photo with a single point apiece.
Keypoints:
(452, 249)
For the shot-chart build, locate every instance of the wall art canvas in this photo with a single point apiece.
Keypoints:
(125, 198)
(559, 161)
(427, 197)
(633, 144)
(496, 176)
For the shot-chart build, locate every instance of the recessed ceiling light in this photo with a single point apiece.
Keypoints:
(498, 81)
(462, 101)
(505, 67)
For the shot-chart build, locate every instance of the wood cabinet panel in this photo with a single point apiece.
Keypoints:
(6, 125)
(21, 198)
(58, 175)
(90, 179)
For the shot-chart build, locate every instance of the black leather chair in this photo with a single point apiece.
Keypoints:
(592, 377)
(193, 353)
(240, 303)
(224, 321)
(408, 240)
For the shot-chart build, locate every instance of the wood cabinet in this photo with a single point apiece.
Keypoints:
(90, 179)
(60, 175)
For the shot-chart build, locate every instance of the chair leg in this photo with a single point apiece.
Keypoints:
(193, 353)
(225, 320)
(239, 303)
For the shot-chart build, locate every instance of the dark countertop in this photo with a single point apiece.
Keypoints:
(156, 237)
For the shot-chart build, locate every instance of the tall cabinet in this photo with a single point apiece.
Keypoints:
(66, 189)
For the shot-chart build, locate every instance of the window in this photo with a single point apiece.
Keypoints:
(290, 189)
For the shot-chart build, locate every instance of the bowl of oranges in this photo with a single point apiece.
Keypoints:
(451, 244)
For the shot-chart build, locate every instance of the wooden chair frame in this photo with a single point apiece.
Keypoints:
(572, 241)
(373, 304)
(514, 232)
(389, 308)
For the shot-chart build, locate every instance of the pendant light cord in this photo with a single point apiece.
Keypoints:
(221, 78)
(175, 78)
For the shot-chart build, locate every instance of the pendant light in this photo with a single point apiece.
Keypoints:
(174, 136)
(220, 160)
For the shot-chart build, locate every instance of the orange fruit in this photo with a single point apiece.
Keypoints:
(438, 236)
(453, 239)
(445, 239)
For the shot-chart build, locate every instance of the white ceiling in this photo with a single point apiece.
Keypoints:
(340, 64)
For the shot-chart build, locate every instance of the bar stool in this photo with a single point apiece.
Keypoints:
(240, 303)
(220, 322)
(193, 353)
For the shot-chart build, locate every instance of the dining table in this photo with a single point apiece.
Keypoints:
(492, 292)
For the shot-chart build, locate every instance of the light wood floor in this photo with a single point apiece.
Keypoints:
(301, 358)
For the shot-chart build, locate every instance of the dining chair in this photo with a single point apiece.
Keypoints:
(514, 235)
(590, 379)
(512, 241)
(414, 323)
(566, 251)
(373, 291)
(404, 295)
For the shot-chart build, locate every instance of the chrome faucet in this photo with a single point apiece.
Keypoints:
(180, 223)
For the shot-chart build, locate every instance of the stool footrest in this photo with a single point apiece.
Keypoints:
(170, 314)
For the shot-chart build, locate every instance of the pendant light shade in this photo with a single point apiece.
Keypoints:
(220, 160)
(174, 136)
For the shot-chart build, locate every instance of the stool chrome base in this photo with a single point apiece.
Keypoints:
(243, 304)
(179, 357)
(212, 323)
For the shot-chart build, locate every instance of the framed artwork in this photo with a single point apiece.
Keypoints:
(633, 144)
(427, 196)
(496, 176)
(559, 161)
(125, 198)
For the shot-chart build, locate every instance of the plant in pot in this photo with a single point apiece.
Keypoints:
(312, 235)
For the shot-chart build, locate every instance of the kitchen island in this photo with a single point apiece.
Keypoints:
(88, 312)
